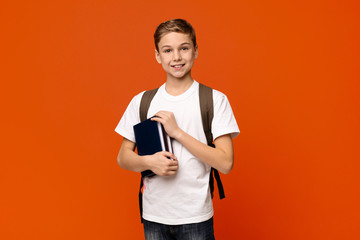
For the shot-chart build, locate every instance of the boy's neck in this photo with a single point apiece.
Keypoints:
(177, 86)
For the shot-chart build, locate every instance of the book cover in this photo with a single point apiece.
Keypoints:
(150, 137)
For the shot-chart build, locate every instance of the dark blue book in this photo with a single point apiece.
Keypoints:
(150, 137)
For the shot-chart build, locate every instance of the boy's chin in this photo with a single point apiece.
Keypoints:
(178, 76)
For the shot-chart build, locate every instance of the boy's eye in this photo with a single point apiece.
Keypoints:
(185, 48)
(167, 50)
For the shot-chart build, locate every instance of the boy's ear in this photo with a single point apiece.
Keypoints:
(196, 52)
(157, 56)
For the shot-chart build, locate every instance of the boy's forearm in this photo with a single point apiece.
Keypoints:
(221, 157)
(129, 160)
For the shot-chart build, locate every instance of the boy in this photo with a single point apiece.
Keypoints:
(177, 202)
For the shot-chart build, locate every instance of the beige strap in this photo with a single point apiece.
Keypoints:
(207, 111)
(145, 103)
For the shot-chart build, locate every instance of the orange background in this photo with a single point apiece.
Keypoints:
(289, 68)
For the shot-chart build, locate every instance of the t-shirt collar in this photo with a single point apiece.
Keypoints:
(187, 93)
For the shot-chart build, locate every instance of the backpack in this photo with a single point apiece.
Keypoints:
(207, 113)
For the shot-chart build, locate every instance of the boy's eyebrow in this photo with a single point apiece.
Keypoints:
(184, 43)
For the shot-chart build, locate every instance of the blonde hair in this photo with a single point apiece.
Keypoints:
(174, 25)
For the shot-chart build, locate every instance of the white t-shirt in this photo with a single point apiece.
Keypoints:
(185, 197)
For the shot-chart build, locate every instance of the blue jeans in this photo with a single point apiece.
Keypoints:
(193, 231)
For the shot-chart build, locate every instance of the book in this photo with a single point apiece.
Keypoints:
(150, 138)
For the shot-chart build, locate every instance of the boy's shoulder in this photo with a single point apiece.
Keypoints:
(219, 96)
(136, 100)
(216, 93)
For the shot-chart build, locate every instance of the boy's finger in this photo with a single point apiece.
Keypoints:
(159, 114)
(157, 119)
(170, 155)
(163, 114)
(174, 163)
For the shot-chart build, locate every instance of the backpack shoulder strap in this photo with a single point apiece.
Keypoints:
(145, 103)
(207, 111)
(207, 115)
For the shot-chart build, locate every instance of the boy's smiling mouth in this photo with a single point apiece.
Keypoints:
(177, 66)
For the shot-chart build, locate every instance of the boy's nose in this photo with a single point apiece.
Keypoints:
(176, 56)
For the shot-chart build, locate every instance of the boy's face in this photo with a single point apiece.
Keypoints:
(176, 54)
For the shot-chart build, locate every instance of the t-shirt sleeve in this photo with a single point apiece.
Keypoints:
(224, 121)
(129, 119)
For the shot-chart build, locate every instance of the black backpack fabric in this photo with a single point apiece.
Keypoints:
(207, 114)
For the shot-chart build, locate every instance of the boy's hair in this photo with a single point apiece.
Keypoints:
(174, 25)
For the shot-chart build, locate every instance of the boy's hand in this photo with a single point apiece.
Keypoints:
(167, 119)
(161, 164)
